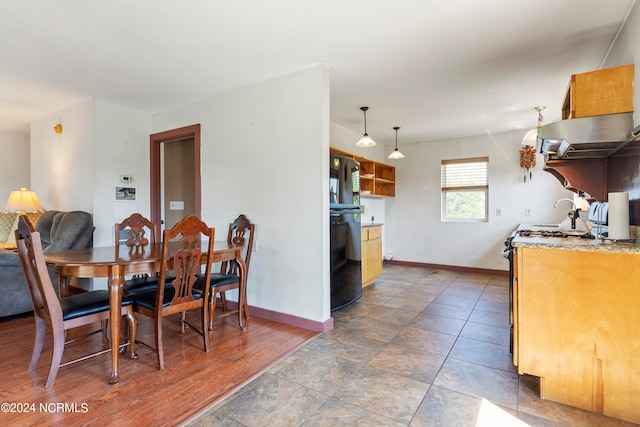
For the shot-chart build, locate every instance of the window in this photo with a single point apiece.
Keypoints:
(465, 189)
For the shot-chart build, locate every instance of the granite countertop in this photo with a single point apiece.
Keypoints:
(372, 224)
(575, 243)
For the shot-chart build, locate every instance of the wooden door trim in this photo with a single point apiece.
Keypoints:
(173, 135)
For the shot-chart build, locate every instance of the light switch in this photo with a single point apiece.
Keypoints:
(176, 205)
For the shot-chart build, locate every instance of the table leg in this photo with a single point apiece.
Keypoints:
(242, 292)
(116, 282)
(63, 289)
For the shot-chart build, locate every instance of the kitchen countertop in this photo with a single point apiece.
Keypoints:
(573, 243)
(373, 224)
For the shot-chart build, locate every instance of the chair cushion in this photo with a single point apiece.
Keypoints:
(143, 284)
(87, 303)
(217, 279)
(148, 299)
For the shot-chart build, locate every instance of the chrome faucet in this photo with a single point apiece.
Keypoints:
(568, 200)
(574, 214)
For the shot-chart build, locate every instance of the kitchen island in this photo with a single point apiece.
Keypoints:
(576, 310)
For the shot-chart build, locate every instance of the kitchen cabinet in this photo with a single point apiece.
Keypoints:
(607, 91)
(376, 179)
(371, 237)
(577, 326)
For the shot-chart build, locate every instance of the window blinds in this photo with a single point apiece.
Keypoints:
(465, 174)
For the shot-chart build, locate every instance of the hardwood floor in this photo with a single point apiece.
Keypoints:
(191, 382)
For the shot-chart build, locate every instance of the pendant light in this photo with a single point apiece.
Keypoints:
(366, 140)
(396, 154)
(531, 137)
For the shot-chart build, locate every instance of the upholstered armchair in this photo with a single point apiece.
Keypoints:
(59, 231)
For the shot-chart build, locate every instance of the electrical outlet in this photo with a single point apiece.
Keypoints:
(498, 211)
(126, 178)
(527, 212)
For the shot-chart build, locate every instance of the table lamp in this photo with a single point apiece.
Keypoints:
(23, 201)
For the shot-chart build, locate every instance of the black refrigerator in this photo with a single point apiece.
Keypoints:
(344, 219)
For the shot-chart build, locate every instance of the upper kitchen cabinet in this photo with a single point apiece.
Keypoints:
(600, 92)
(376, 179)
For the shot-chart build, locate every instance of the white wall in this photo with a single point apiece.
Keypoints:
(79, 169)
(626, 50)
(15, 164)
(62, 165)
(414, 230)
(121, 147)
(264, 154)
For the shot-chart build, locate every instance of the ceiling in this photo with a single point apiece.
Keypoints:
(438, 69)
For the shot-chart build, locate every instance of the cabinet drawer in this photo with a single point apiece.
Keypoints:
(375, 232)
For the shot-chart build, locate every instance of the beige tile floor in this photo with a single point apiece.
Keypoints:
(422, 347)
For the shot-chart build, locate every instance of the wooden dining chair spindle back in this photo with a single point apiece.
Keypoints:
(137, 233)
(241, 233)
(184, 257)
(65, 313)
(136, 227)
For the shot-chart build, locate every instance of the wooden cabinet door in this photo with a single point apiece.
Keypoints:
(578, 316)
(375, 247)
(367, 267)
(371, 254)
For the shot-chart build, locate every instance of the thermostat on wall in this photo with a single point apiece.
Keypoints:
(126, 178)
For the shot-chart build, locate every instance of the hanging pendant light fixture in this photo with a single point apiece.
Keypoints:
(528, 150)
(366, 140)
(531, 137)
(396, 154)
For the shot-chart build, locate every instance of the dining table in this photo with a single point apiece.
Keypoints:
(117, 262)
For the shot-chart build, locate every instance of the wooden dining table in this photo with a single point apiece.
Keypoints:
(117, 262)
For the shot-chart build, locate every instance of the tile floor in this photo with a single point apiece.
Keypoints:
(422, 347)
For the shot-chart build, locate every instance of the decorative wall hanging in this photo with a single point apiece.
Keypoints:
(528, 150)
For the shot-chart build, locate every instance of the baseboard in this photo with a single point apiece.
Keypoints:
(287, 319)
(450, 267)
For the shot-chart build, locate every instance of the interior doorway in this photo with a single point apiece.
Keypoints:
(175, 175)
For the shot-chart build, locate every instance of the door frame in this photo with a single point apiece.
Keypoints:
(169, 136)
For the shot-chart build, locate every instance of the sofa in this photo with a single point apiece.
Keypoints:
(59, 231)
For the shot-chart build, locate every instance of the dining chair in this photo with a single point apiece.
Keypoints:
(179, 295)
(65, 313)
(241, 232)
(137, 233)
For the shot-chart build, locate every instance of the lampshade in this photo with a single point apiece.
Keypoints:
(22, 201)
(531, 137)
(396, 154)
(366, 140)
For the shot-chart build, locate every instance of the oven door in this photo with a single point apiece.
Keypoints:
(508, 253)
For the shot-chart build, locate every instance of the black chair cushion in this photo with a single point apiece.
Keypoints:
(86, 303)
(148, 299)
(143, 284)
(217, 279)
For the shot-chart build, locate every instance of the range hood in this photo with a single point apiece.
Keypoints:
(586, 137)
